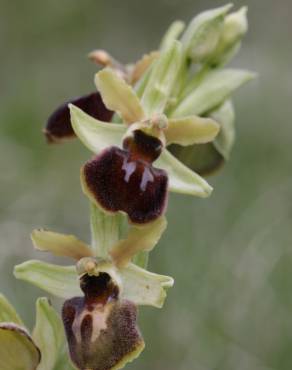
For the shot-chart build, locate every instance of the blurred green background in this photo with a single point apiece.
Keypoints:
(230, 255)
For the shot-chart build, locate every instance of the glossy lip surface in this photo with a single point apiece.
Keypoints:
(119, 183)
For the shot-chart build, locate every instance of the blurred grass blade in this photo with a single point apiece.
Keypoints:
(60, 281)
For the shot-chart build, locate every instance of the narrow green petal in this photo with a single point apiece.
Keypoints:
(17, 349)
(143, 287)
(49, 336)
(191, 130)
(7, 312)
(139, 238)
(119, 96)
(181, 178)
(95, 135)
(216, 87)
(225, 140)
(60, 281)
(60, 244)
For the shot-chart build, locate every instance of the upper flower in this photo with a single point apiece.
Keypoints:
(123, 176)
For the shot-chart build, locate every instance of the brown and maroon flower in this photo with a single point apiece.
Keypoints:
(132, 171)
(101, 328)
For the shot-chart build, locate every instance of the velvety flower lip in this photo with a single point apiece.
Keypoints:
(101, 329)
(119, 183)
(59, 128)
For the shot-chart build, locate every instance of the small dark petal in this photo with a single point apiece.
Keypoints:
(203, 159)
(59, 126)
(143, 146)
(119, 183)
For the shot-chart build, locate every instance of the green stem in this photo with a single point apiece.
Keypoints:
(106, 230)
(141, 259)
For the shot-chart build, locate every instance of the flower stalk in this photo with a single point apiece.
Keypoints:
(151, 127)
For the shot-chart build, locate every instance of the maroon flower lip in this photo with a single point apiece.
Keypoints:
(101, 330)
(59, 128)
(119, 182)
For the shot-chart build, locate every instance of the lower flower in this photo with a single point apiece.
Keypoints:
(101, 329)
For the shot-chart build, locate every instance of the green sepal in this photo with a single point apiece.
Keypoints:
(181, 178)
(60, 281)
(143, 287)
(94, 134)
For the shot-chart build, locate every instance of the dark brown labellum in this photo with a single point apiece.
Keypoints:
(59, 126)
(119, 183)
(143, 146)
(102, 333)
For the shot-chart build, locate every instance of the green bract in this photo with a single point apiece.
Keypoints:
(45, 349)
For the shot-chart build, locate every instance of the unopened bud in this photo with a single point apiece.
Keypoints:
(202, 36)
(234, 28)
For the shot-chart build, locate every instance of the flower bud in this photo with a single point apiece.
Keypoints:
(202, 35)
(234, 28)
(101, 329)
